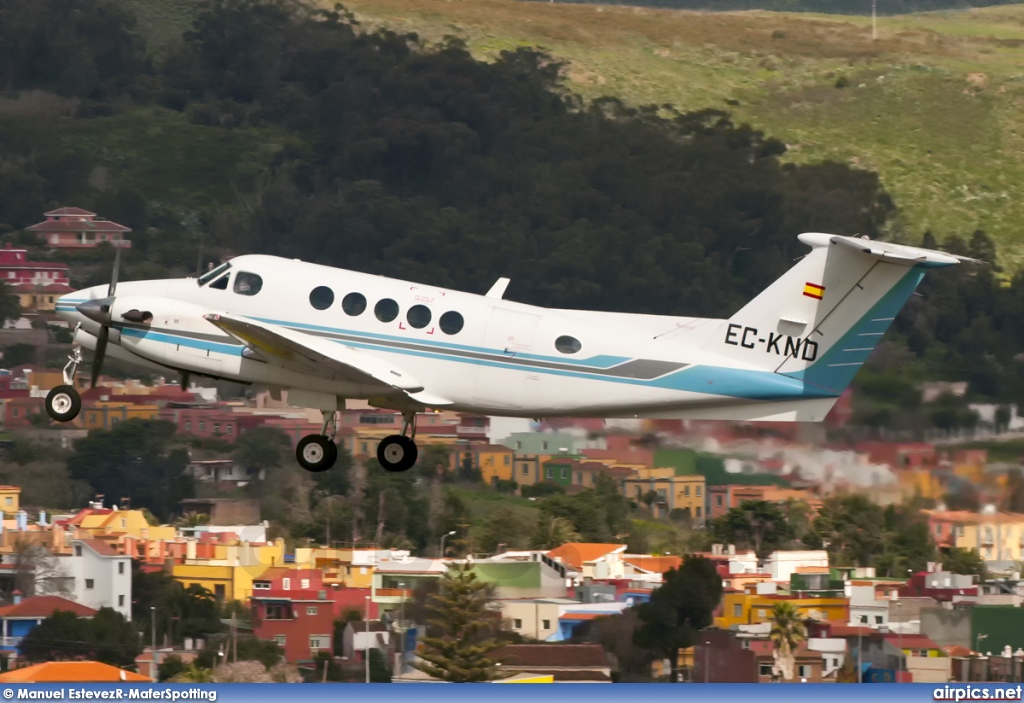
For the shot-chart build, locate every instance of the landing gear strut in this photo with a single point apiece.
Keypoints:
(63, 403)
(318, 452)
(398, 452)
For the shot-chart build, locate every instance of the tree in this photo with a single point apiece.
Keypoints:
(680, 608)
(137, 459)
(965, 561)
(261, 449)
(754, 524)
(170, 667)
(194, 674)
(458, 654)
(553, 532)
(10, 308)
(788, 631)
(852, 527)
(107, 637)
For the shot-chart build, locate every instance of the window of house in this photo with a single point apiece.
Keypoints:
(451, 322)
(78, 550)
(878, 619)
(8, 500)
(120, 601)
(698, 511)
(89, 584)
(418, 316)
(517, 624)
(544, 446)
(216, 427)
(698, 489)
(938, 529)
(686, 490)
(281, 640)
(579, 477)
(864, 619)
(261, 585)
(960, 531)
(321, 297)
(304, 583)
(202, 426)
(737, 610)
(567, 344)
(386, 310)
(508, 459)
(120, 567)
(247, 283)
(526, 470)
(218, 591)
(764, 669)
(549, 473)
(319, 641)
(286, 583)
(804, 671)
(278, 611)
(124, 523)
(761, 612)
(545, 624)
(565, 473)
(188, 425)
(311, 610)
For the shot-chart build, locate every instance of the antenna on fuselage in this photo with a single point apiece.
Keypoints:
(498, 289)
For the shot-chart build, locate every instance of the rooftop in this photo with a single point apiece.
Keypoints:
(552, 656)
(71, 672)
(44, 607)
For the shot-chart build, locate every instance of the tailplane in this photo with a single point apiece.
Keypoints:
(821, 320)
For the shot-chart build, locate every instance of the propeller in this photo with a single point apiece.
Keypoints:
(99, 311)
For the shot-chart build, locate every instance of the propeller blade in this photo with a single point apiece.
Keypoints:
(101, 351)
(113, 276)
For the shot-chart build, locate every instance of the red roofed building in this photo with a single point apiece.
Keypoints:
(37, 284)
(75, 228)
(569, 663)
(599, 561)
(71, 672)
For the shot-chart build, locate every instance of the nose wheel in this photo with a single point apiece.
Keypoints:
(398, 452)
(63, 403)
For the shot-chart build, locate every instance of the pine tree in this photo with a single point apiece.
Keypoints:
(459, 653)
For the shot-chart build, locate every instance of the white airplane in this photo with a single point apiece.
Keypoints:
(326, 335)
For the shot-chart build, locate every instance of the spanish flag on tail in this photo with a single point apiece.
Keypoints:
(813, 290)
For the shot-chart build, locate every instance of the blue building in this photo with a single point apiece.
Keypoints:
(19, 619)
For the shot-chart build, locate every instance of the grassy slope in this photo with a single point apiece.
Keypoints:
(935, 104)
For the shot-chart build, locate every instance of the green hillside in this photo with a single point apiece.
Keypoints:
(934, 105)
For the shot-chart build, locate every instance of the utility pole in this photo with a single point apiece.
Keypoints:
(366, 645)
(874, 20)
(234, 638)
(152, 627)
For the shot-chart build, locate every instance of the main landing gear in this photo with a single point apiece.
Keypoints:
(398, 452)
(318, 452)
(63, 403)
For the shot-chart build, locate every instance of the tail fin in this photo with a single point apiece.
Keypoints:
(821, 320)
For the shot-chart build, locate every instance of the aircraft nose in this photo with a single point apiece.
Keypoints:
(96, 310)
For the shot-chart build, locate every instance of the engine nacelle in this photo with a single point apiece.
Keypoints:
(174, 333)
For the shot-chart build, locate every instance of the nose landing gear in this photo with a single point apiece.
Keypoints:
(63, 403)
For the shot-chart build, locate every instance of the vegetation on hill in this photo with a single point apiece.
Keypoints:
(835, 7)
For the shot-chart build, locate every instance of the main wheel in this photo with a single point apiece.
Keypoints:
(63, 403)
(316, 453)
(397, 453)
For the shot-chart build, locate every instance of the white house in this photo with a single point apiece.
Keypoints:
(866, 608)
(783, 564)
(101, 578)
(357, 639)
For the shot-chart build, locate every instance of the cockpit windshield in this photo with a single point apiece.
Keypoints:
(212, 274)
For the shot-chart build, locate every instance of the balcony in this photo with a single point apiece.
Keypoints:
(399, 593)
(10, 642)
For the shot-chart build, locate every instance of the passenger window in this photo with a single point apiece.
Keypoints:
(353, 304)
(247, 283)
(221, 283)
(418, 316)
(321, 297)
(451, 322)
(567, 344)
(386, 310)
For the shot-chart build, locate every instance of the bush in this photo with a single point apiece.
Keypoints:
(170, 667)
(539, 490)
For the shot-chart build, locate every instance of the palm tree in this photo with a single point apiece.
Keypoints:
(192, 519)
(194, 674)
(555, 532)
(788, 632)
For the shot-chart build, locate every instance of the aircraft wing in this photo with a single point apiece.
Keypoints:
(316, 356)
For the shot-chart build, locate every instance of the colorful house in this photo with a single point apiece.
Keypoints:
(75, 228)
(23, 616)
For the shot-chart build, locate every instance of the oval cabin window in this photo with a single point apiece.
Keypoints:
(386, 310)
(353, 304)
(451, 322)
(321, 297)
(567, 344)
(418, 316)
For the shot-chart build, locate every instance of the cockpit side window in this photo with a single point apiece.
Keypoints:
(247, 283)
(221, 283)
(213, 273)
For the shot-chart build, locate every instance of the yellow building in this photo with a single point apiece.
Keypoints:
(995, 536)
(348, 568)
(230, 569)
(126, 522)
(750, 607)
(10, 498)
(106, 415)
(494, 461)
(921, 481)
(672, 492)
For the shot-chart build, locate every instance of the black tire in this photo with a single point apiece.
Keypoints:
(316, 453)
(63, 403)
(397, 453)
